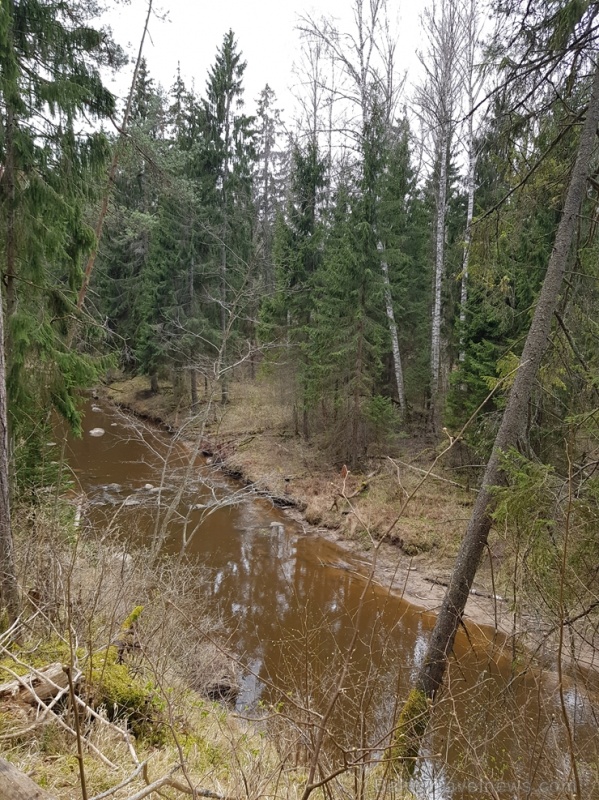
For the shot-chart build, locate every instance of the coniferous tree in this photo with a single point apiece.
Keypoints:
(230, 139)
(48, 78)
(268, 178)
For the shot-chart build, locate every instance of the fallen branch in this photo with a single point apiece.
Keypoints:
(396, 461)
(43, 685)
(171, 783)
(88, 709)
(475, 592)
(142, 768)
(15, 785)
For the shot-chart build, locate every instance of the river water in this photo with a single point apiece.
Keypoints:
(296, 604)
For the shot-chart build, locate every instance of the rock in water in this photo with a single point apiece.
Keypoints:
(97, 432)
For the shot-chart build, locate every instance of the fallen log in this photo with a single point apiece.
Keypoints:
(474, 592)
(15, 785)
(44, 685)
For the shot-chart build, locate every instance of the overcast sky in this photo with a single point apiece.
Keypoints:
(191, 32)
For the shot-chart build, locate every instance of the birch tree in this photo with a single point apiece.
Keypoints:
(365, 57)
(471, 72)
(438, 102)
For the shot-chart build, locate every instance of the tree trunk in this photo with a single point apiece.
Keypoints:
(112, 170)
(393, 332)
(15, 785)
(8, 575)
(45, 685)
(430, 677)
(354, 454)
(193, 382)
(224, 380)
(468, 232)
(439, 267)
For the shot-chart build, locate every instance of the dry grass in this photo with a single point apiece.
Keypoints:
(256, 432)
(80, 591)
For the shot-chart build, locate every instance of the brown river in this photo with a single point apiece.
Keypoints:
(296, 606)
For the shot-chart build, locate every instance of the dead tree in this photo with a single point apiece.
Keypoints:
(8, 576)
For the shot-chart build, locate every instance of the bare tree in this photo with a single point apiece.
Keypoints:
(472, 76)
(438, 101)
(365, 57)
(415, 714)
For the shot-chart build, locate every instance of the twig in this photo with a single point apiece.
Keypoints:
(141, 768)
(396, 461)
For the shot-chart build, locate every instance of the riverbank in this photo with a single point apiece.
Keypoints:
(421, 517)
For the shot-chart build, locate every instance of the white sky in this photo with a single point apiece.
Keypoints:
(265, 32)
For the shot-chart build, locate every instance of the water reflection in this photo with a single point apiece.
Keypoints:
(295, 604)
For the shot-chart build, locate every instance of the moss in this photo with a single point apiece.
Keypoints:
(410, 731)
(48, 652)
(112, 684)
(132, 618)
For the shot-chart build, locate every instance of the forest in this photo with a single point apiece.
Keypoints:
(406, 271)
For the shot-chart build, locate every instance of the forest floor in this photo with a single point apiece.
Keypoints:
(419, 517)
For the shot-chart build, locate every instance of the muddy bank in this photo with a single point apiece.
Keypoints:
(422, 521)
(351, 511)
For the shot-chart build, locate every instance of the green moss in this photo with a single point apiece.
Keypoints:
(411, 728)
(132, 618)
(113, 685)
(48, 652)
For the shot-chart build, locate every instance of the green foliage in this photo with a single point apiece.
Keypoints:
(49, 83)
(540, 515)
(383, 418)
(112, 684)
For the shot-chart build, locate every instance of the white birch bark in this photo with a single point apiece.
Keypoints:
(473, 78)
(467, 233)
(393, 333)
(439, 269)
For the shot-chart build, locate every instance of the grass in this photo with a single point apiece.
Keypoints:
(257, 435)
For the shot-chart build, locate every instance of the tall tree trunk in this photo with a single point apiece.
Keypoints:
(393, 333)
(9, 178)
(468, 231)
(224, 382)
(193, 383)
(439, 268)
(415, 714)
(8, 575)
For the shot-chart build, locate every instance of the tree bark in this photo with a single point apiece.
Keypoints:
(15, 785)
(399, 382)
(432, 671)
(468, 232)
(8, 575)
(439, 267)
(45, 685)
(193, 382)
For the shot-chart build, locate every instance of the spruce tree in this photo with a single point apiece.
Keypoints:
(49, 79)
(230, 140)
